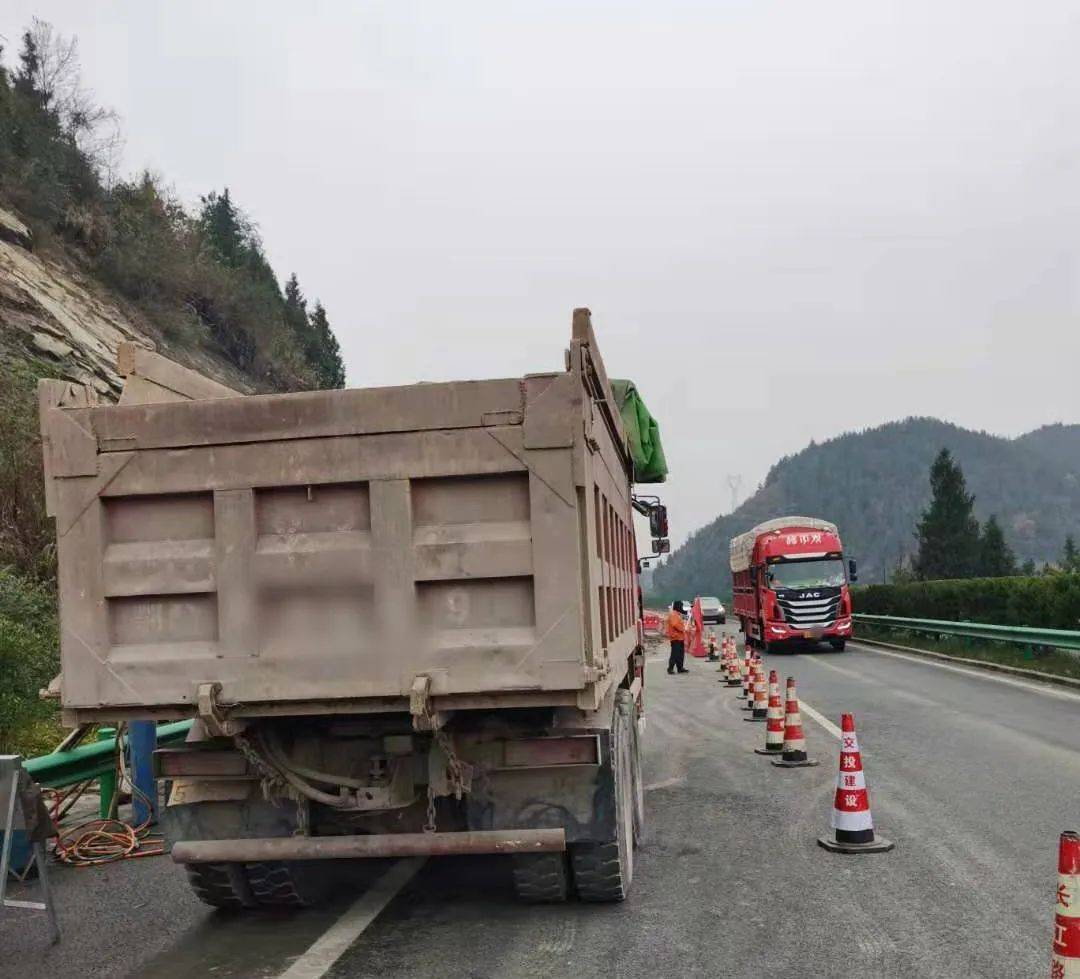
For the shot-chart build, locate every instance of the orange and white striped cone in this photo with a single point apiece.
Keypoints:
(712, 647)
(725, 658)
(744, 677)
(1065, 953)
(774, 720)
(734, 672)
(761, 696)
(794, 739)
(755, 669)
(853, 826)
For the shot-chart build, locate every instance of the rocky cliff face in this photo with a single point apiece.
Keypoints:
(52, 312)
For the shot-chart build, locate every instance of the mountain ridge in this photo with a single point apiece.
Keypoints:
(874, 483)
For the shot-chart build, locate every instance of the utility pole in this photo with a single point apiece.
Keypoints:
(734, 482)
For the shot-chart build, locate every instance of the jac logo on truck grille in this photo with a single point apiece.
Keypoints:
(810, 594)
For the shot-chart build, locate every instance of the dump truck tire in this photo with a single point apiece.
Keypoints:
(603, 871)
(541, 878)
(221, 885)
(283, 884)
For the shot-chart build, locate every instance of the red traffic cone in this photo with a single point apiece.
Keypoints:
(744, 676)
(794, 739)
(852, 823)
(1065, 953)
(751, 684)
(774, 720)
(734, 679)
(761, 696)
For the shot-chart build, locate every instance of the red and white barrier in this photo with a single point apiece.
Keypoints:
(1065, 954)
(853, 826)
(651, 621)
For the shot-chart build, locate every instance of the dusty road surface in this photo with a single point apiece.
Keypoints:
(972, 775)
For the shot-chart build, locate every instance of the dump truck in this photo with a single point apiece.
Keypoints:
(404, 620)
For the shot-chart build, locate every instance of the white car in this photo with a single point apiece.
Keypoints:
(712, 609)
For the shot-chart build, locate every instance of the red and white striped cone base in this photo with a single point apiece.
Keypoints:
(1065, 953)
(853, 826)
(774, 720)
(794, 739)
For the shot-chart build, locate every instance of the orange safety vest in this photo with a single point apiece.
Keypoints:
(676, 625)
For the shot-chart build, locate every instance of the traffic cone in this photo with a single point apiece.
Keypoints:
(761, 697)
(852, 823)
(734, 677)
(1065, 952)
(712, 647)
(794, 740)
(749, 683)
(744, 677)
(725, 659)
(774, 720)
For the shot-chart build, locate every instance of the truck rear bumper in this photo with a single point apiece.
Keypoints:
(383, 845)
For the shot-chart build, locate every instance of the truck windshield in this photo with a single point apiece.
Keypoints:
(807, 574)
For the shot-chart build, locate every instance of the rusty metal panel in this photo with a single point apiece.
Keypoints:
(320, 551)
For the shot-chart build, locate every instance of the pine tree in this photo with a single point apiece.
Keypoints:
(947, 532)
(996, 559)
(29, 66)
(296, 314)
(1070, 557)
(1027, 569)
(330, 367)
(224, 229)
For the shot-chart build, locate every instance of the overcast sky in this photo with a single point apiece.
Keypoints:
(790, 219)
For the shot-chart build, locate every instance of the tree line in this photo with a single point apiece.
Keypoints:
(951, 543)
(197, 274)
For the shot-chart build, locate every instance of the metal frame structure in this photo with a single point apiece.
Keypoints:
(10, 771)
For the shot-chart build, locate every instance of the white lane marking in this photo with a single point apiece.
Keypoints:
(839, 669)
(809, 711)
(1047, 691)
(334, 942)
(667, 783)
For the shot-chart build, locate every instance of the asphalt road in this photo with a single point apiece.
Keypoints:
(971, 774)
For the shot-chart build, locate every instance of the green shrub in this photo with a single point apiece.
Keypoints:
(29, 659)
(1046, 602)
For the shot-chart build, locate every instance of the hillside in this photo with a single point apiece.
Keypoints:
(87, 261)
(875, 483)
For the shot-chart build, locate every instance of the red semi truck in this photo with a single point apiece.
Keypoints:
(790, 583)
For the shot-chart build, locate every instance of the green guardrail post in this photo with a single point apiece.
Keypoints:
(106, 781)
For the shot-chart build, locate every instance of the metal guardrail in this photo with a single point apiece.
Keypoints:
(90, 761)
(1021, 635)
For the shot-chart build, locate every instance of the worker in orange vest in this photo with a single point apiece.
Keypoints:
(676, 633)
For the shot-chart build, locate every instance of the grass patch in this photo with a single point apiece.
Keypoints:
(1054, 661)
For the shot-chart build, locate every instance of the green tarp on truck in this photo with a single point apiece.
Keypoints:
(650, 466)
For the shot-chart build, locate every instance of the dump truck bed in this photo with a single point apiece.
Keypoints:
(318, 552)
